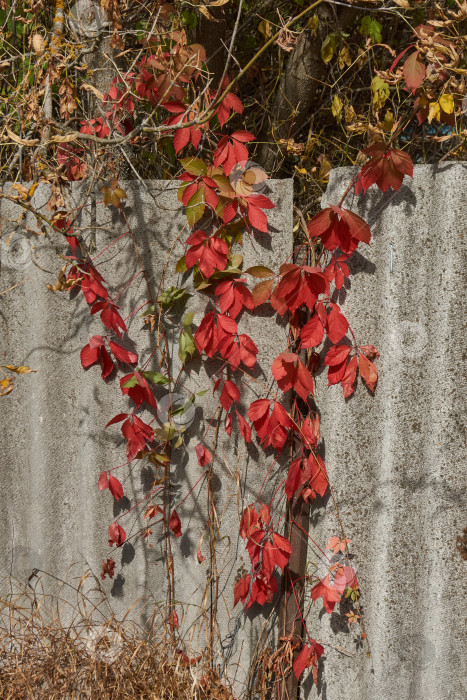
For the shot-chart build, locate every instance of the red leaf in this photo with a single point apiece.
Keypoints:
(301, 662)
(203, 454)
(312, 333)
(106, 363)
(337, 324)
(199, 556)
(108, 568)
(414, 71)
(137, 435)
(229, 394)
(206, 335)
(349, 377)
(309, 656)
(244, 427)
(257, 217)
(115, 488)
(386, 168)
(173, 620)
(89, 356)
(319, 478)
(117, 419)
(117, 535)
(122, 354)
(337, 355)
(210, 253)
(103, 482)
(324, 590)
(339, 228)
(110, 316)
(294, 478)
(137, 389)
(241, 589)
(248, 350)
(289, 371)
(175, 524)
(368, 372)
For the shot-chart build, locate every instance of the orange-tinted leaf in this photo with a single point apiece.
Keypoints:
(368, 371)
(175, 524)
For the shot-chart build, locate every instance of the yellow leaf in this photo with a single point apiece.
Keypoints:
(86, 86)
(6, 385)
(204, 11)
(22, 369)
(388, 121)
(22, 142)
(380, 90)
(336, 108)
(344, 58)
(447, 103)
(434, 111)
(313, 24)
(264, 28)
(350, 115)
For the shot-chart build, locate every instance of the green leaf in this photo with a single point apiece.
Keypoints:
(195, 207)
(155, 377)
(181, 409)
(167, 432)
(186, 345)
(189, 19)
(133, 381)
(372, 28)
(155, 457)
(380, 91)
(188, 319)
(172, 295)
(260, 271)
(329, 46)
(236, 260)
(181, 265)
(148, 311)
(194, 166)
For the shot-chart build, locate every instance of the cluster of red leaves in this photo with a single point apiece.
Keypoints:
(218, 333)
(95, 351)
(344, 363)
(307, 476)
(267, 550)
(386, 168)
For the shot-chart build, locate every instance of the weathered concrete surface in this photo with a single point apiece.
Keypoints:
(397, 460)
(53, 442)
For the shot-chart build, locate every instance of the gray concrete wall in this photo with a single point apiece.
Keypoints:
(53, 442)
(397, 460)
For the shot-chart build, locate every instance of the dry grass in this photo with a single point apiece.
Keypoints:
(52, 647)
